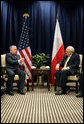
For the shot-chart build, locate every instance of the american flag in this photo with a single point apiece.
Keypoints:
(24, 48)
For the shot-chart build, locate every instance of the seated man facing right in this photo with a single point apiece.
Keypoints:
(13, 61)
(70, 64)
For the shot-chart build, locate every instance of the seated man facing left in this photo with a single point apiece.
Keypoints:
(13, 61)
(70, 64)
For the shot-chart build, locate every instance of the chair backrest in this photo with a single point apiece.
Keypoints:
(3, 60)
(80, 65)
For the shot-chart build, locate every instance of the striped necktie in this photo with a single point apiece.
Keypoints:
(65, 65)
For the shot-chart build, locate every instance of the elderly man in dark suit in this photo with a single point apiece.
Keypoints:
(13, 61)
(70, 64)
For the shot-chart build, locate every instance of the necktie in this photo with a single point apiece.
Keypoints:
(65, 65)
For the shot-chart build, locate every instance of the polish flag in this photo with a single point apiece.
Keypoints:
(58, 50)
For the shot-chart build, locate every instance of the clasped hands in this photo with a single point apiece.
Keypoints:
(21, 61)
(58, 67)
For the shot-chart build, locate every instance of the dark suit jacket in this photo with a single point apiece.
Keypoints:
(12, 61)
(73, 63)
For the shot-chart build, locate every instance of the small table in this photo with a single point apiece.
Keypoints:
(40, 72)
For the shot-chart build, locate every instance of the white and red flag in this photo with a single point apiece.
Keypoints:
(58, 50)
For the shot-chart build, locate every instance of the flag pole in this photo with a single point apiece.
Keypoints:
(56, 17)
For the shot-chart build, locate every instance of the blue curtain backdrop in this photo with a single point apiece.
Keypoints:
(42, 21)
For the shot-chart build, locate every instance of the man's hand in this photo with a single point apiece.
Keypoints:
(21, 61)
(66, 68)
(57, 67)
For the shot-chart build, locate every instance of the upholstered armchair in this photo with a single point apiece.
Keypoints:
(75, 78)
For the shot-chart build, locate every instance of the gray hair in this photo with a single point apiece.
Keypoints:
(71, 48)
(12, 47)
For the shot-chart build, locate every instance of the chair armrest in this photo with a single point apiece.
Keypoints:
(3, 70)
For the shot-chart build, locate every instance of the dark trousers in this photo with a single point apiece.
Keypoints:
(61, 78)
(11, 73)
